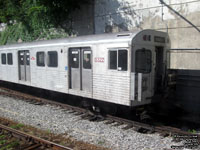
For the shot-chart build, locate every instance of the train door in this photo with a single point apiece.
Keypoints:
(159, 69)
(80, 69)
(24, 65)
(141, 74)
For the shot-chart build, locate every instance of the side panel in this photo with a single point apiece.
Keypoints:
(110, 85)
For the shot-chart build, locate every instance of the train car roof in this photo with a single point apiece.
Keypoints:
(97, 38)
(86, 39)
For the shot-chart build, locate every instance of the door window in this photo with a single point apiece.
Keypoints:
(74, 59)
(27, 58)
(87, 59)
(21, 58)
(143, 60)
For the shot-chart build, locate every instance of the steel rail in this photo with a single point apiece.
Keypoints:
(30, 138)
(152, 128)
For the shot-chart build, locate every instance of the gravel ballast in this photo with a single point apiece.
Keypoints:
(56, 120)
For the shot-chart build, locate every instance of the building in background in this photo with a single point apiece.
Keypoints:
(123, 15)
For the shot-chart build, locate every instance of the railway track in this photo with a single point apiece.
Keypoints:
(85, 114)
(30, 142)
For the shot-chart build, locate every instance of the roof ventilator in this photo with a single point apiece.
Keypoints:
(121, 35)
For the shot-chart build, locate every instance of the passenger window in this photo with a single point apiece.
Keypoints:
(3, 58)
(40, 59)
(118, 60)
(122, 60)
(143, 61)
(113, 59)
(52, 59)
(87, 59)
(10, 58)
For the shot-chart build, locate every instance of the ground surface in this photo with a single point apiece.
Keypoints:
(70, 126)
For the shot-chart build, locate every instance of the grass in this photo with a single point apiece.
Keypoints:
(2, 137)
(192, 131)
(10, 146)
(101, 142)
(17, 126)
(3, 142)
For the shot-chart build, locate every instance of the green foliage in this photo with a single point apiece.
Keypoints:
(17, 126)
(193, 131)
(10, 146)
(29, 20)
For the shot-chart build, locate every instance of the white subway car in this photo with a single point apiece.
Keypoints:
(122, 68)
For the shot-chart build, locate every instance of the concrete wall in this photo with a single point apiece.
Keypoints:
(122, 15)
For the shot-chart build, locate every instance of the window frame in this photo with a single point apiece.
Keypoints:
(48, 64)
(37, 59)
(3, 54)
(117, 50)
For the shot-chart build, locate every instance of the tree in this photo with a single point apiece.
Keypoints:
(35, 19)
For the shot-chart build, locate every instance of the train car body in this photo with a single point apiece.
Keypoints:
(123, 68)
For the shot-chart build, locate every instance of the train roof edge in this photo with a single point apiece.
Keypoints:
(126, 36)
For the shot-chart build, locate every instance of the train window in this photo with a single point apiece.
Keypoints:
(113, 59)
(118, 60)
(86, 59)
(122, 60)
(52, 58)
(143, 61)
(3, 58)
(40, 59)
(10, 58)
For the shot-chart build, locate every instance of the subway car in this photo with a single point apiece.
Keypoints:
(126, 68)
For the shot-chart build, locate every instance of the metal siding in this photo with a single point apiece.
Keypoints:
(112, 88)
(110, 85)
(80, 93)
(4, 73)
